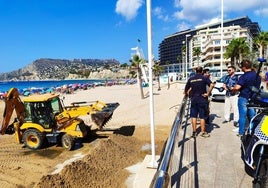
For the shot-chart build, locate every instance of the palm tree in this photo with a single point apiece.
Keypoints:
(243, 48)
(167, 63)
(236, 50)
(197, 52)
(179, 58)
(183, 49)
(231, 52)
(262, 41)
(157, 70)
(137, 62)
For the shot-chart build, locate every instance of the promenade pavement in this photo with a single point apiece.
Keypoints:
(213, 162)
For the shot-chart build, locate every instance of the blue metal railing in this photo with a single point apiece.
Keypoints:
(161, 177)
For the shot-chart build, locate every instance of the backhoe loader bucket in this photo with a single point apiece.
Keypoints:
(100, 118)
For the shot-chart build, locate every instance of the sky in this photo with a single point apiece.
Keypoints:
(104, 29)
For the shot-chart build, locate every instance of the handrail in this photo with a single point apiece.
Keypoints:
(161, 177)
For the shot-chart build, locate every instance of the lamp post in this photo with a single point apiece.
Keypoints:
(153, 163)
(183, 62)
(221, 35)
(186, 56)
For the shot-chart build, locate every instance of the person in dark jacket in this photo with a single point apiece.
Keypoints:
(206, 73)
(197, 85)
(247, 80)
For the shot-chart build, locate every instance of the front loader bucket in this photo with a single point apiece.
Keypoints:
(100, 118)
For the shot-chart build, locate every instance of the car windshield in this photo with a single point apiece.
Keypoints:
(222, 79)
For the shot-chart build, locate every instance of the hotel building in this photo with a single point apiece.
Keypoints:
(208, 39)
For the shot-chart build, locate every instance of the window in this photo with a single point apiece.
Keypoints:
(217, 42)
(56, 105)
(27, 112)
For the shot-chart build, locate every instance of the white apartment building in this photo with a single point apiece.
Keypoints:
(209, 41)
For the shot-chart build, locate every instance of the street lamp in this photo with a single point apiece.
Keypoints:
(186, 57)
(183, 62)
(221, 35)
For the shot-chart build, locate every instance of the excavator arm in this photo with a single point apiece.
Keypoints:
(12, 102)
(100, 112)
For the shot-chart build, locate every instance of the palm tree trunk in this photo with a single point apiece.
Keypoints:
(261, 51)
(168, 83)
(240, 57)
(158, 80)
(140, 83)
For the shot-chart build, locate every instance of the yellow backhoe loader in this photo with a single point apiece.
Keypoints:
(44, 117)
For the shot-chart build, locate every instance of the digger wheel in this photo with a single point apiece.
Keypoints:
(67, 141)
(33, 139)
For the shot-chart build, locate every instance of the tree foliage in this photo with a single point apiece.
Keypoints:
(196, 52)
(137, 63)
(262, 41)
(236, 50)
(157, 70)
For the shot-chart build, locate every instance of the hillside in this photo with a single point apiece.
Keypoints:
(45, 69)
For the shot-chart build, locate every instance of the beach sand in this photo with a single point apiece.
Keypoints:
(133, 110)
(105, 154)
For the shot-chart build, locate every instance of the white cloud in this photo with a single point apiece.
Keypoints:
(128, 8)
(177, 3)
(241, 5)
(194, 10)
(262, 12)
(159, 13)
(183, 26)
(199, 12)
(212, 21)
(208, 22)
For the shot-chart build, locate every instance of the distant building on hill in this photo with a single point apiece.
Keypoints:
(173, 54)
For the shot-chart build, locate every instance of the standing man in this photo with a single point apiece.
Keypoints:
(206, 73)
(199, 99)
(231, 97)
(247, 80)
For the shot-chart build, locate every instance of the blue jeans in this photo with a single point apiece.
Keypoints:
(244, 113)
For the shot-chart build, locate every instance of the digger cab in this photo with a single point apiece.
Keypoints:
(40, 118)
(42, 110)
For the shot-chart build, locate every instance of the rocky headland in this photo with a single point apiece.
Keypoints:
(60, 69)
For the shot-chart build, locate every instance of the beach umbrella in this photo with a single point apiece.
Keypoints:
(42, 91)
(50, 90)
(26, 93)
(74, 86)
(20, 91)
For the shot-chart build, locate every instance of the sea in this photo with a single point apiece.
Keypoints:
(44, 84)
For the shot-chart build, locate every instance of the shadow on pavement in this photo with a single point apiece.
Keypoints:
(176, 179)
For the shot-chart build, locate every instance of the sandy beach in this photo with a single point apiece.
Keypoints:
(104, 153)
(133, 110)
